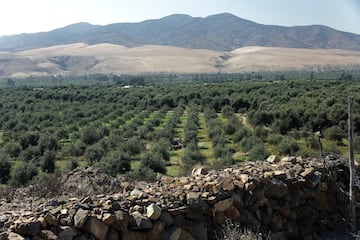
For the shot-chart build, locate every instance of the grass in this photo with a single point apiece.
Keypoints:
(173, 170)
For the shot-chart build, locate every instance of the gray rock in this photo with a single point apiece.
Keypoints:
(30, 228)
(80, 217)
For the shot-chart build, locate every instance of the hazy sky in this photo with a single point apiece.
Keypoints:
(26, 16)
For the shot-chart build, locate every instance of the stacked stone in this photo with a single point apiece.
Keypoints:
(293, 198)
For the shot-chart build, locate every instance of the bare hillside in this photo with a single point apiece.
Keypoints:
(80, 58)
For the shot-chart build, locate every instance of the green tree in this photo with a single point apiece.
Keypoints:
(48, 161)
(5, 168)
(23, 173)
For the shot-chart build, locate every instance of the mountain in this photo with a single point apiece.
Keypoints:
(221, 32)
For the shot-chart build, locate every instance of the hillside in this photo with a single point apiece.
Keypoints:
(222, 32)
(80, 59)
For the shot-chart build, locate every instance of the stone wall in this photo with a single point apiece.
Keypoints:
(293, 198)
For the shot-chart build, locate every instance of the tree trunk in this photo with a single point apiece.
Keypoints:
(351, 166)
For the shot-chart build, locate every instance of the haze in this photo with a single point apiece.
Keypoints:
(22, 16)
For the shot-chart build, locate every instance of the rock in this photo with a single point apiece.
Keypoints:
(80, 217)
(276, 188)
(96, 228)
(250, 186)
(153, 211)
(112, 235)
(156, 231)
(227, 184)
(122, 220)
(141, 222)
(51, 220)
(224, 205)
(30, 228)
(167, 218)
(136, 193)
(244, 178)
(200, 170)
(180, 234)
(248, 218)
(48, 235)
(307, 172)
(108, 218)
(67, 233)
(14, 236)
(232, 213)
(272, 159)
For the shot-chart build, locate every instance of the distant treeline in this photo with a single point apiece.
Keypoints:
(173, 78)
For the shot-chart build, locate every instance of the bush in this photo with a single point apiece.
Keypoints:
(48, 161)
(23, 174)
(233, 231)
(258, 152)
(5, 169)
(90, 135)
(94, 153)
(334, 133)
(73, 163)
(143, 173)
(13, 149)
(288, 146)
(154, 161)
(357, 144)
(46, 185)
(248, 143)
(119, 162)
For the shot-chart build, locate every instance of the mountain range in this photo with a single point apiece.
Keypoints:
(221, 32)
(178, 43)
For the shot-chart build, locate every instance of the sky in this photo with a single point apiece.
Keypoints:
(28, 16)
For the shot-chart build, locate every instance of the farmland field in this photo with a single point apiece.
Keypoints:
(170, 128)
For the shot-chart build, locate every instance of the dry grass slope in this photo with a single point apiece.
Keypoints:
(80, 58)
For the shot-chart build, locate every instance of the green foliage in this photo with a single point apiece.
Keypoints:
(248, 143)
(334, 133)
(258, 152)
(288, 146)
(13, 149)
(73, 163)
(143, 173)
(23, 173)
(5, 168)
(154, 160)
(90, 135)
(117, 163)
(94, 153)
(48, 161)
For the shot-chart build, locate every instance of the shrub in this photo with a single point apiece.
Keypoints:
(48, 161)
(334, 133)
(232, 230)
(154, 161)
(143, 173)
(94, 153)
(119, 162)
(23, 173)
(5, 168)
(90, 135)
(248, 143)
(46, 185)
(73, 163)
(258, 152)
(13, 149)
(288, 146)
(240, 134)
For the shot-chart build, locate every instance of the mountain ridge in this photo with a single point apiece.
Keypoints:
(220, 32)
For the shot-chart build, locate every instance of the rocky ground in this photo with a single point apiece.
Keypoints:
(294, 198)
